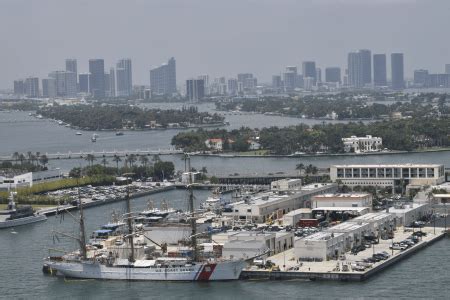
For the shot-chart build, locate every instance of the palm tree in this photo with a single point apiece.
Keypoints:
(300, 167)
(204, 170)
(43, 160)
(29, 155)
(132, 159)
(156, 158)
(117, 159)
(15, 156)
(21, 158)
(90, 158)
(104, 162)
(144, 160)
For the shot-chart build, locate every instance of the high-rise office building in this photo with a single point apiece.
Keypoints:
(66, 83)
(318, 75)
(421, 78)
(205, 78)
(309, 70)
(19, 87)
(49, 88)
(398, 81)
(447, 68)
(379, 70)
(83, 80)
(232, 86)
(97, 78)
(366, 66)
(277, 83)
(195, 89)
(124, 78)
(107, 85)
(290, 78)
(32, 87)
(163, 79)
(333, 75)
(246, 81)
(71, 66)
(112, 83)
(355, 70)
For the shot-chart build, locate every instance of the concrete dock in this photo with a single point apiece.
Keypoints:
(333, 269)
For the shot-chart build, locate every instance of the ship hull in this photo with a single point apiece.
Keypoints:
(22, 221)
(198, 272)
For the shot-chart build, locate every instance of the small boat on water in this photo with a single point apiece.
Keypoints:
(78, 133)
(18, 215)
(119, 133)
(94, 137)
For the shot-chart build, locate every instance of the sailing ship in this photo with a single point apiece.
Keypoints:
(18, 215)
(108, 263)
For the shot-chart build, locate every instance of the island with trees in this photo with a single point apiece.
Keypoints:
(129, 117)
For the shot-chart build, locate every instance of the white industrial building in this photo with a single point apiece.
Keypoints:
(354, 232)
(246, 244)
(378, 222)
(293, 217)
(320, 246)
(269, 205)
(342, 200)
(389, 175)
(284, 185)
(364, 144)
(406, 214)
(28, 179)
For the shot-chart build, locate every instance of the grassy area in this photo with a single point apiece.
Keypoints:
(33, 195)
(35, 206)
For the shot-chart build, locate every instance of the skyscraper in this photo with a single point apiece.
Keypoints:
(83, 80)
(355, 70)
(333, 74)
(398, 81)
(447, 68)
(107, 87)
(366, 66)
(97, 78)
(290, 78)
(49, 87)
(71, 66)
(318, 75)
(124, 78)
(309, 70)
(32, 87)
(163, 79)
(112, 83)
(66, 83)
(19, 87)
(195, 89)
(232, 87)
(379, 70)
(277, 83)
(421, 78)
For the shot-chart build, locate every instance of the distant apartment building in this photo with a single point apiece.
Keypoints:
(388, 175)
(333, 75)
(19, 87)
(124, 76)
(71, 66)
(163, 79)
(49, 88)
(309, 70)
(439, 80)
(83, 80)
(366, 66)
(318, 75)
(66, 83)
(354, 70)
(362, 144)
(277, 82)
(195, 89)
(379, 70)
(32, 87)
(421, 78)
(397, 71)
(290, 79)
(232, 86)
(447, 68)
(112, 82)
(97, 78)
(107, 85)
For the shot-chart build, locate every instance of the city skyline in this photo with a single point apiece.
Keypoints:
(262, 48)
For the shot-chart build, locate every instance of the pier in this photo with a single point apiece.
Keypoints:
(333, 269)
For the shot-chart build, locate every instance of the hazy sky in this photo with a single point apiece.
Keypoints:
(217, 37)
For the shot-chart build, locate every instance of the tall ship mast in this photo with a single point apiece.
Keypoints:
(124, 258)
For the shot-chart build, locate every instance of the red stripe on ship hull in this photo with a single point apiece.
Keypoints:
(206, 272)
